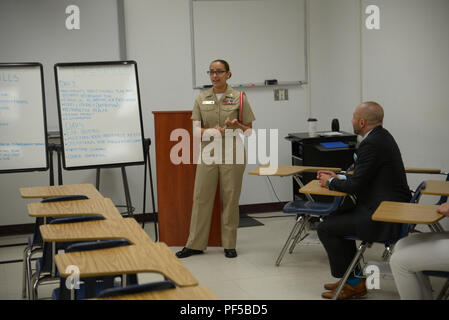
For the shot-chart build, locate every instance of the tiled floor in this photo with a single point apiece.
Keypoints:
(252, 275)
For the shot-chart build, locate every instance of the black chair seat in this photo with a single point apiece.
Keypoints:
(137, 288)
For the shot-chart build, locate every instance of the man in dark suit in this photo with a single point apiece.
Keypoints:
(378, 175)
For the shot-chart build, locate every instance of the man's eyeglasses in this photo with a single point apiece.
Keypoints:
(217, 72)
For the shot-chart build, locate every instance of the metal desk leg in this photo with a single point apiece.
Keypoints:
(308, 196)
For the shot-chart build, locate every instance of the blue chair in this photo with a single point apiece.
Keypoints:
(45, 266)
(305, 210)
(137, 288)
(35, 244)
(443, 199)
(356, 261)
(437, 226)
(92, 286)
(444, 293)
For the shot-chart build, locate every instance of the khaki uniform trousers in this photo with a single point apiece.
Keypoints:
(207, 175)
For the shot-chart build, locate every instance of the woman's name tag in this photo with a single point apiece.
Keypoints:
(209, 102)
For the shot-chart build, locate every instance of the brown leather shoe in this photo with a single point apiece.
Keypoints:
(348, 292)
(332, 286)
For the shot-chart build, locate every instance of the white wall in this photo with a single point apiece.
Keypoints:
(158, 38)
(403, 66)
(34, 31)
(334, 61)
(406, 68)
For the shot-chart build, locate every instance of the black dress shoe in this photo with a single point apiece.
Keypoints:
(230, 253)
(186, 252)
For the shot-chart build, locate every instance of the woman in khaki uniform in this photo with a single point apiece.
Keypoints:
(218, 110)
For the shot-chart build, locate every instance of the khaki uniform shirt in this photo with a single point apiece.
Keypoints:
(212, 112)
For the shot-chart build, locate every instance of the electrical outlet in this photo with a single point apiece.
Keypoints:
(280, 94)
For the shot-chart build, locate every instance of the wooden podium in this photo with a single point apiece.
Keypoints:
(175, 183)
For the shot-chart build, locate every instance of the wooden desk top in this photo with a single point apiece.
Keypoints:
(186, 293)
(436, 187)
(127, 260)
(284, 171)
(126, 228)
(59, 191)
(89, 207)
(313, 187)
(401, 212)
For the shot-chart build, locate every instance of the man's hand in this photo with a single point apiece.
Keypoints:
(324, 175)
(444, 209)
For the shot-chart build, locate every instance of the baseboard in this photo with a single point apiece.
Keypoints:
(18, 229)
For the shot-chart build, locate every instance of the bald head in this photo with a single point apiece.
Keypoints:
(367, 116)
(372, 112)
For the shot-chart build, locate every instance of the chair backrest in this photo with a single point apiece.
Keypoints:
(97, 245)
(336, 202)
(406, 228)
(417, 194)
(65, 198)
(76, 219)
(47, 256)
(138, 288)
(37, 237)
(93, 284)
(443, 199)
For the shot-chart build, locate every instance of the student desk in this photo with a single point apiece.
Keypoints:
(126, 228)
(89, 207)
(285, 171)
(99, 206)
(185, 293)
(58, 191)
(314, 187)
(402, 212)
(130, 259)
(436, 187)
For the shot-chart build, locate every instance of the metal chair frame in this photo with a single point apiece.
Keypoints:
(304, 214)
(91, 282)
(35, 279)
(365, 244)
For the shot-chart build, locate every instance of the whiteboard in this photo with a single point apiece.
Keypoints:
(100, 116)
(33, 30)
(261, 40)
(23, 128)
